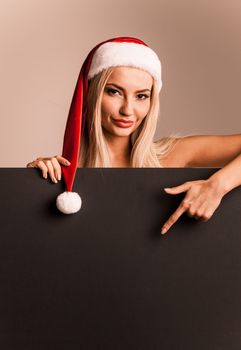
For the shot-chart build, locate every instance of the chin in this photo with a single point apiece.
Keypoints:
(123, 132)
(119, 131)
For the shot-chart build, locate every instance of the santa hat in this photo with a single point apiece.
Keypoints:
(121, 51)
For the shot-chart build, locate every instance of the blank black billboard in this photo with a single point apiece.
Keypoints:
(104, 278)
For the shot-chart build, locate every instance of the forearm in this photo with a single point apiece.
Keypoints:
(228, 177)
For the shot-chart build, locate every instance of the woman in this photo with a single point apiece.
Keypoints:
(112, 122)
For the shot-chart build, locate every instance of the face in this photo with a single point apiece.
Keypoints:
(126, 100)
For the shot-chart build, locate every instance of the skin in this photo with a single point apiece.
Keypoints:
(129, 98)
(126, 96)
(204, 196)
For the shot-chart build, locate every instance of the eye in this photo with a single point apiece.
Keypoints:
(143, 96)
(112, 91)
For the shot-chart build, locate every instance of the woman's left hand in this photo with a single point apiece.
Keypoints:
(201, 200)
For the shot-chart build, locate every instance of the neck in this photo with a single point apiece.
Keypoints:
(119, 148)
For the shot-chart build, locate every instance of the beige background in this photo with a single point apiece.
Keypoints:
(44, 42)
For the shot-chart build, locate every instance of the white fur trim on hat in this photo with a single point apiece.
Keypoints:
(113, 54)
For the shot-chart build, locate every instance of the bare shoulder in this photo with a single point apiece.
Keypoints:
(170, 151)
(174, 152)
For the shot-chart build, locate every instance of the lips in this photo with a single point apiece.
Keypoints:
(123, 123)
(124, 120)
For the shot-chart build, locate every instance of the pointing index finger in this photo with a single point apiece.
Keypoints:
(172, 219)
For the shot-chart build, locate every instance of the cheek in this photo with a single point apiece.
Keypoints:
(144, 109)
(107, 106)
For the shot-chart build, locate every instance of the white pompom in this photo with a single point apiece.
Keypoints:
(68, 202)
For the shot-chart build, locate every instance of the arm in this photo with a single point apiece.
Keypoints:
(208, 150)
(204, 196)
(229, 176)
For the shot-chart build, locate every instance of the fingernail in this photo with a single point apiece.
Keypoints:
(163, 231)
(67, 163)
(167, 188)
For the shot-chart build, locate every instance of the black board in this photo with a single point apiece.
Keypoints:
(104, 278)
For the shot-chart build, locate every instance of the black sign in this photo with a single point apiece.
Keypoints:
(104, 278)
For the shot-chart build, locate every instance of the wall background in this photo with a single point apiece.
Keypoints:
(44, 43)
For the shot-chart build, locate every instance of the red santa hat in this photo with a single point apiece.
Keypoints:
(120, 51)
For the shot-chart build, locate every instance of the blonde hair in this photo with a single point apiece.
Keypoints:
(144, 151)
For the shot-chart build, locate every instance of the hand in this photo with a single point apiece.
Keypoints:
(51, 165)
(201, 200)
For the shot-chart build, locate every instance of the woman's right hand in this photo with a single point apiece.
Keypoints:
(50, 165)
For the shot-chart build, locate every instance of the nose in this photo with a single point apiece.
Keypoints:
(126, 107)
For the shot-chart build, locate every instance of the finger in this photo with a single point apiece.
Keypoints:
(196, 217)
(30, 165)
(205, 212)
(178, 189)
(192, 211)
(190, 215)
(34, 163)
(40, 164)
(57, 168)
(206, 217)
(51, 170)
(63, 160)
(173, 218)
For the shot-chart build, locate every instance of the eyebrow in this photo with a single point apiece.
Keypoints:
(121, 88)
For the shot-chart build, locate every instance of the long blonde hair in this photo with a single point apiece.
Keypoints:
(144, 151)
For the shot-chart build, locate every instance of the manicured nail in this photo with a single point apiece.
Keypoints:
(163, 231)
